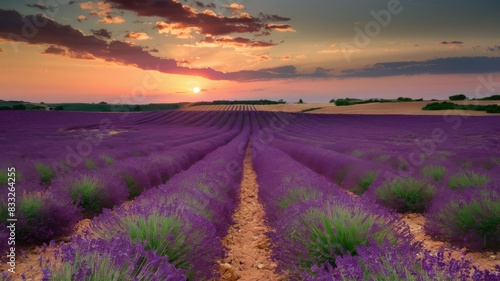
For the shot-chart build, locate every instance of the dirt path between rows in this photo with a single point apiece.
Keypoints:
(28, 258)
(249, 255)
(483, 260)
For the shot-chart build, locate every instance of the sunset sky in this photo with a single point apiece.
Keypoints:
(159, 51)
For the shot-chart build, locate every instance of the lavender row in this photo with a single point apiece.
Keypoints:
(322, 233)
(89, 149)
(46, 213)
(179, 225)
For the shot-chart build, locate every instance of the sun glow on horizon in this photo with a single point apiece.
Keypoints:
(196, 90)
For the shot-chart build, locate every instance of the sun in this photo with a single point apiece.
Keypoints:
(196, 90)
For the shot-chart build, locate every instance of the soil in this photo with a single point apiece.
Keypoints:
(249, 255)
(28, 258)
(483, 260)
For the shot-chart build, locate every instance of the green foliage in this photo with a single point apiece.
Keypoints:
(311, 109)
(467, 179)
(493, 97)
(342, 102)
(491, 108)
(163, 234)
(357, 153)
(108, 160)
(297, 194)
(364, 183)
(28, 204)
(301, 101)
(86, 194)
(434, 171)
(90, 164)
(153, 230)
(404, 99)
(332, 101)
(105, 270)
(336, 230)
(19, 107)
(133, 187)
(476, 214)
(405, 195)
(46, 173)
(458, 97)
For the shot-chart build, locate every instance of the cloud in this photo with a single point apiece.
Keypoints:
(178, 16)
(81, 18)
(493, 49)
(260, 57)
(54, 50)
(235, 42)
(102, 10)
(65, 40)
(101, 33)
(38, 6)
(451, 43)
(450, 65)
(203, 5)
(154, 50)
(137, 35)
(109, 19)
(177, 29)
(280, 27)
(1, 50)
(285, 58)
(235, 8)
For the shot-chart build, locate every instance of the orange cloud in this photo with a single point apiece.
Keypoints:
(177, 29)
(103, 10)
(234, 42)
(280, 27)
(138, 35)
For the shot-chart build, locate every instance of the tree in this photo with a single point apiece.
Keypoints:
(301, 101)
(332, 100)
(458, 97)
(341, 102)
(19, 107)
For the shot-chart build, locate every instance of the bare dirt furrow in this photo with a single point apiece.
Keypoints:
(249, 255)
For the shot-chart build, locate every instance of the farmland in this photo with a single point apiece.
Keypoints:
(193, 194)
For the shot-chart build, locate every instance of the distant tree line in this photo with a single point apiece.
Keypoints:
(352, 101)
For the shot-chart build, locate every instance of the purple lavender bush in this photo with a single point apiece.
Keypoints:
(468, 179)
(93, 190)
(399, 262)
(405, 194)
(113, 259)
(469, 218)
(169, 230)
(317, 233)
(41, 214)
(136, 179)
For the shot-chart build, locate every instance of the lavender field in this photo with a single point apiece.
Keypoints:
(151, 196)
